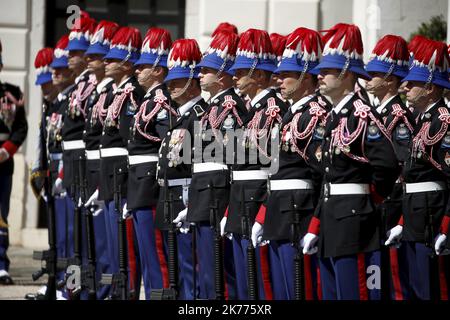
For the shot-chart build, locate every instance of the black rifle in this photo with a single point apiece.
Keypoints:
(170, 293)
(384, 256)
(299, 266)
(48, 257)
(251, 251)
(433, 258)
(219, 280)
(118, 281)
(88, 280)
(75, 262)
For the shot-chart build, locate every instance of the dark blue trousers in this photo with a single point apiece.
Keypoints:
(153, 272)
(112, 232)
(282, 271)
(240, 263)
(206, 274)
(185, 265)
(353, 277)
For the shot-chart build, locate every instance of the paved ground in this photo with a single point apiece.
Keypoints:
(21, 269)
(22, 266)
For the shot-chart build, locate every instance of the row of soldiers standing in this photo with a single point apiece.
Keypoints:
(285, 184)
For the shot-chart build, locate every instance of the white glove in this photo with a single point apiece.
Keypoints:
(93, 200)
(185, 227)
(394, 236)
(125, 212)
(309, 243)
(181, 217)
(257, 232)
(58, 187)
(223, 223)
(4, 155)
(439, 243)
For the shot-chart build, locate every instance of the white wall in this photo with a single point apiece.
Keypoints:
(281, 16)
(21, 32)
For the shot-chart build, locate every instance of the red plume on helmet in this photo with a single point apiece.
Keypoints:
(127, 38)
(224, 44)
(44, 58)
(225, 26)
(391, 49)
(61, 45)
(104, 32)
(344, 39)
(83, 26)
(415, 42)
(184, 52)
(304, 42)
(278, 44)
(157, 40)
(255, 43)
(432, 54)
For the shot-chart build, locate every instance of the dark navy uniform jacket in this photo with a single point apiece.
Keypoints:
(355, 150)
(74, 120)
(399, 123)
(249, 195)
(55, 125)
(429, 160)
(97, 107)
(226, 113)
(175, 159)
(147, 129)
(116, 131)
(300, 156)
(13, 123)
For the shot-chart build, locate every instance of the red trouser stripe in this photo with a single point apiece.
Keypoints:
(161, 255)
(265, 272)
(363, 294)
(442, 279)
(395, 274)
(309, 294)
(131, 254)
(319, 284)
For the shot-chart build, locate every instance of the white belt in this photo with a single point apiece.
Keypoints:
(290, 184)
(92, 154)
(113, 152)
(142, 158)
(250, 175)
(4, 136)
(73, 145)
(424, 186)
(209, 166)
(179, 182)
(336, 189)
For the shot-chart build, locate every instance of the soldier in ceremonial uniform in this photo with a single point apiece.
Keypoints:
(387, 66)
(123, 105)
(148, 128)
(210, 184)
(96, 109)
(294, 189)
(63, 79)
(426, 173)
(13, 131)
(75, 112)
(42, 62)
(254, 64)
(356, 153)
(175, 156)
(39, 168)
